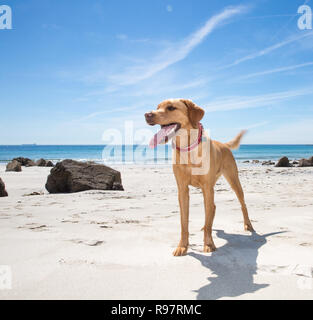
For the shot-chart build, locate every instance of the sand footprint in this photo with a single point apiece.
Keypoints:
(34, 227)
(92, 243)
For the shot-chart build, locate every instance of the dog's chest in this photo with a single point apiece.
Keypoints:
(184, 175)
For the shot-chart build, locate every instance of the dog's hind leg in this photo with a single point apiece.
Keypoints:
(231, 175)
(208, 195)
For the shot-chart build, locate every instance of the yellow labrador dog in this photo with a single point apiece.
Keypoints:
(198, 161)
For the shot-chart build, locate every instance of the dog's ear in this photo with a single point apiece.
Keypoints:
(195, 113)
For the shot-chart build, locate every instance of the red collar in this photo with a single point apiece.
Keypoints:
(193, 145)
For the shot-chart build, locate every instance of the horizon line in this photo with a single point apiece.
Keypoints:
(243, 144)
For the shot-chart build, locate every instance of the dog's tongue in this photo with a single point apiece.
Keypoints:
(162, 134)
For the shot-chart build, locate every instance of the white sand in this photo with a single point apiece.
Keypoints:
(118, 245)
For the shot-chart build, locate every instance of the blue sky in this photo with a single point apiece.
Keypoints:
(72, 69)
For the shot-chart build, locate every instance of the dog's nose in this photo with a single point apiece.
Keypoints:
(149, 116)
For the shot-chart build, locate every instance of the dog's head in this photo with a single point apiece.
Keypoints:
(172, 115)
(183, 112)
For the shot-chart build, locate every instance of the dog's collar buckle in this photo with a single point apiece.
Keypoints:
(193, 145)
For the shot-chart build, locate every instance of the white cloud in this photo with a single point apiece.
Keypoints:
(256, 125)
(235, 103)
(157, 88)
(297, 132)
(124, 37)
(268, 49)
(121, 36)
(175, 52)
(169, 8)
(283, 69)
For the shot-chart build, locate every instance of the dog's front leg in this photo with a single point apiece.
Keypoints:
(183, 197)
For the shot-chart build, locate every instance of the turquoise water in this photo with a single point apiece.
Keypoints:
(142, 154)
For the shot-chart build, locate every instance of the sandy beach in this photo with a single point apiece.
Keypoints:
(118, 244)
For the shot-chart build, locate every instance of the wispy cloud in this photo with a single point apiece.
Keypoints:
(253, 125)
(108, 110)
(169, 8)
(297, 132)
(124, 37)
(276, 70)
(121, 36)
(154, 88)
(175, 52)
(236, 103)
(257, 125)
(268, 50)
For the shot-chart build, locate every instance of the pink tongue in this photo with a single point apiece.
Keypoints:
(161, 135)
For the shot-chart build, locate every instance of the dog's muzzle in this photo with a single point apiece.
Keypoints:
(149, 118)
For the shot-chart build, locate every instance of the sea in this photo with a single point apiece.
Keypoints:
(140, 154)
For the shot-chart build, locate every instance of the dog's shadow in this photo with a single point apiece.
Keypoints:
(233, 266)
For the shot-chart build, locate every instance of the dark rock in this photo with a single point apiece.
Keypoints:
(295, 162)
(49, 164)
(91, 162)
(306, 162)
(255, 161)
(41, 163)
(31, 163)
(283, 162)
(25, 161)
(44, 163)
(73, 176)
(246, 161)
(268, 163)
(14, 166)
(3, 192)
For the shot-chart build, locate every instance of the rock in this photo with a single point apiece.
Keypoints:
(255, 161)
(44, 163)
(295, 162)
(73, 176)
(91, 162)
(246, 161)
(49, 164)
(3, 192)
(41, 163)
(283, 162)
(22, 161)
(306, 162)
(25, 161)
(268, 163)
(14, 166)
(31, 163)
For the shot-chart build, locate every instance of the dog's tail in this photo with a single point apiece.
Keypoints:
(235, 143)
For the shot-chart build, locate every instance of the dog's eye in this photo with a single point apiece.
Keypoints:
(171, 108)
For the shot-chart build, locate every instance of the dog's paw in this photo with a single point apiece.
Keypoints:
(209, 248)
(180, 251)
(248, 227)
